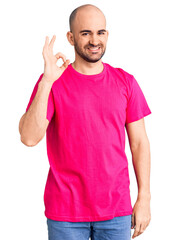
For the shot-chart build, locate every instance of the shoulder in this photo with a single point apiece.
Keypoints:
(124, 76)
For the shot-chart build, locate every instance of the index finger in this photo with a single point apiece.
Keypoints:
(61, 55)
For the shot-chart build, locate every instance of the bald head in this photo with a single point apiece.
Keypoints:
(83, 11)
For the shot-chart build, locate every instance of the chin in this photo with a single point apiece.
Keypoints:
(92, 60)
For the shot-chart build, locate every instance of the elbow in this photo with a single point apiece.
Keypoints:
(27, 142)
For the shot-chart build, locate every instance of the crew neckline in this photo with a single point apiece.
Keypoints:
(92, 76)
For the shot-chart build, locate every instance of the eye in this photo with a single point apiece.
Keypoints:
(101, 32)
(84, 34)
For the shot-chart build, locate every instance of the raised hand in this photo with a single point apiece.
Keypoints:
(51, 71)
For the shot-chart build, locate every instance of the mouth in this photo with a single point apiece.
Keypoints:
(94, 49)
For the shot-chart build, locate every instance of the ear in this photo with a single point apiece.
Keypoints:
(107, 33)
(70, 38)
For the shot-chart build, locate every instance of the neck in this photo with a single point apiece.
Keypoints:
(88, 68)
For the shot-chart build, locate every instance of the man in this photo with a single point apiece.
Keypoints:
(85, 108)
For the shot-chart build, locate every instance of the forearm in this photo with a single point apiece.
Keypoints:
(34, 125)
(141, 162)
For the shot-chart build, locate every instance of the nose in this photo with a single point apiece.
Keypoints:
(94, 40)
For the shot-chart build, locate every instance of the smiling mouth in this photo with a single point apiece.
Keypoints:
(93, 49)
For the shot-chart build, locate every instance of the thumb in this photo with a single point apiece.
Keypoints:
(65, 64)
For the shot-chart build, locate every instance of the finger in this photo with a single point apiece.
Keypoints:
(52, 41)
(137, 231)
(46, 41)
(61, 55)
(132, 221)
(45, 46)
(65, 65)
(142, 229)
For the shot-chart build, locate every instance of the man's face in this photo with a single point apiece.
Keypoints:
(90, 35)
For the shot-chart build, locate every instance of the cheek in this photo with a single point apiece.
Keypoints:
(81, 46)
(84, 45)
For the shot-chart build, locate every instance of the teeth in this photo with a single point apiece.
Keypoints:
(94, 48)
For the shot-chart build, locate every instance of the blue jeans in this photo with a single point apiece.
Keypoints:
(118, 228)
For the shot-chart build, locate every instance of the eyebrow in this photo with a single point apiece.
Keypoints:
(102, 30)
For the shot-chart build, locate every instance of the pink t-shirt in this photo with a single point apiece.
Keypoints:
(88, 178)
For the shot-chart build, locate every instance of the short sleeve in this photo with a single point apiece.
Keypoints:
(137, 106)
(50, 105)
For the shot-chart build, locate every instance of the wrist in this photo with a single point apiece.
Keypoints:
(144, 195)
(46, 82)
(46, 79)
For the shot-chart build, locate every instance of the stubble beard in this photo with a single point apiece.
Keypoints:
(86, 56)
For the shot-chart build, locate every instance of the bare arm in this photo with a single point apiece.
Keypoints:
(140, 148)
(33, 123)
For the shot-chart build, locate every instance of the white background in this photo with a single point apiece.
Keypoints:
(138, 42)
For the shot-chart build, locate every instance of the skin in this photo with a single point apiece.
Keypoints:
(86, 62)
(91, 19)
(140, 149)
